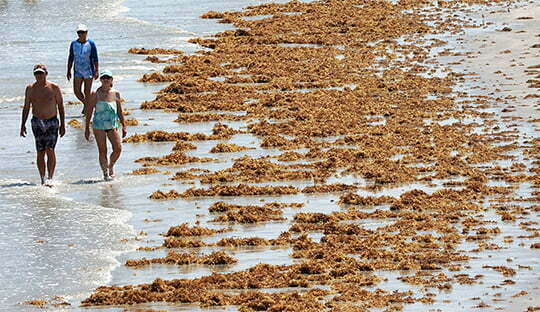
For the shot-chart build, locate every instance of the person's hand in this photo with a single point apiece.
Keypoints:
(68, 76)
(23, 131)
(124, 132)
(62, 130)
(96, 75)
(87, 134)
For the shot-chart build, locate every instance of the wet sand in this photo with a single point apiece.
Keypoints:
(367, 169)
(505, 64)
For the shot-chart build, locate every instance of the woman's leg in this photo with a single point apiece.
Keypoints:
(77, 85)
(101, 141)
(87, 90)
(116, 142)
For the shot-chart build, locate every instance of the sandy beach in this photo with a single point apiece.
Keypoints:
(335, 156)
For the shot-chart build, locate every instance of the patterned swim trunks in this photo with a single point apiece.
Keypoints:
(46, 132)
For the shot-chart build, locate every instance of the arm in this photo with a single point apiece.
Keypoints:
(60, 105)
(94, 58)
(96, 74)
(90, 110)
(26, 111)
(121, 114)
(70, 62)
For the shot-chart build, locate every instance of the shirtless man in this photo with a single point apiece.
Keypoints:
(46, 100)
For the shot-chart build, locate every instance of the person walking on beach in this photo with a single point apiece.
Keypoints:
(46, 101)
(106, 104)
(83, 57)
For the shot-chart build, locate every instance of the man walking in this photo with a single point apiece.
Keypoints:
(83, 57)
(46, 100)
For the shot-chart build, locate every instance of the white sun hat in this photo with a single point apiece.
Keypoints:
(82, 27)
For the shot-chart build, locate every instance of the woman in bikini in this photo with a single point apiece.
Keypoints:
(105, 104)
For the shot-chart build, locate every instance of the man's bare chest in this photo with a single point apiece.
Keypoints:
(42, 95)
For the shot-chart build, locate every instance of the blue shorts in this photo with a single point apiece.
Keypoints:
(85, 74)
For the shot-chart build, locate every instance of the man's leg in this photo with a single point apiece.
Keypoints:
(116, 142)
(51, 162)
(87, 90)
(77, 85)
(101, 141)
(41, 165)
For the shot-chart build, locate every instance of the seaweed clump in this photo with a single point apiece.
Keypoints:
(145, 51)
(215, 258)
(185, 230)
(228, 148)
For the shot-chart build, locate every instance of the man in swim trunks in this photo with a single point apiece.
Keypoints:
(83, 57)
(46, 100)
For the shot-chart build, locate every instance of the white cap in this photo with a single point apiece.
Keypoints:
(82, 27)
(40, 68)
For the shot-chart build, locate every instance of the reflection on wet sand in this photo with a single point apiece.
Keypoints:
(111, 196)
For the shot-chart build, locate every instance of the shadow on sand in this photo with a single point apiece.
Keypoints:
(18, 184)
(89, 181)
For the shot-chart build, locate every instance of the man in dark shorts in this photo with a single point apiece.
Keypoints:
(46, 101)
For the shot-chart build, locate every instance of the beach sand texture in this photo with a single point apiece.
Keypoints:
(345, 156)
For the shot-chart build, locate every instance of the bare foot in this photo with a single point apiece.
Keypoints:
(106, 175)
(111, 172)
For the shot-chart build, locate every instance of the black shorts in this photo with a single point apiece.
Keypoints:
(46, 132)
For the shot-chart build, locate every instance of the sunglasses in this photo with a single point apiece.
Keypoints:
(106, 77)
(81, 32)
(39, 73)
